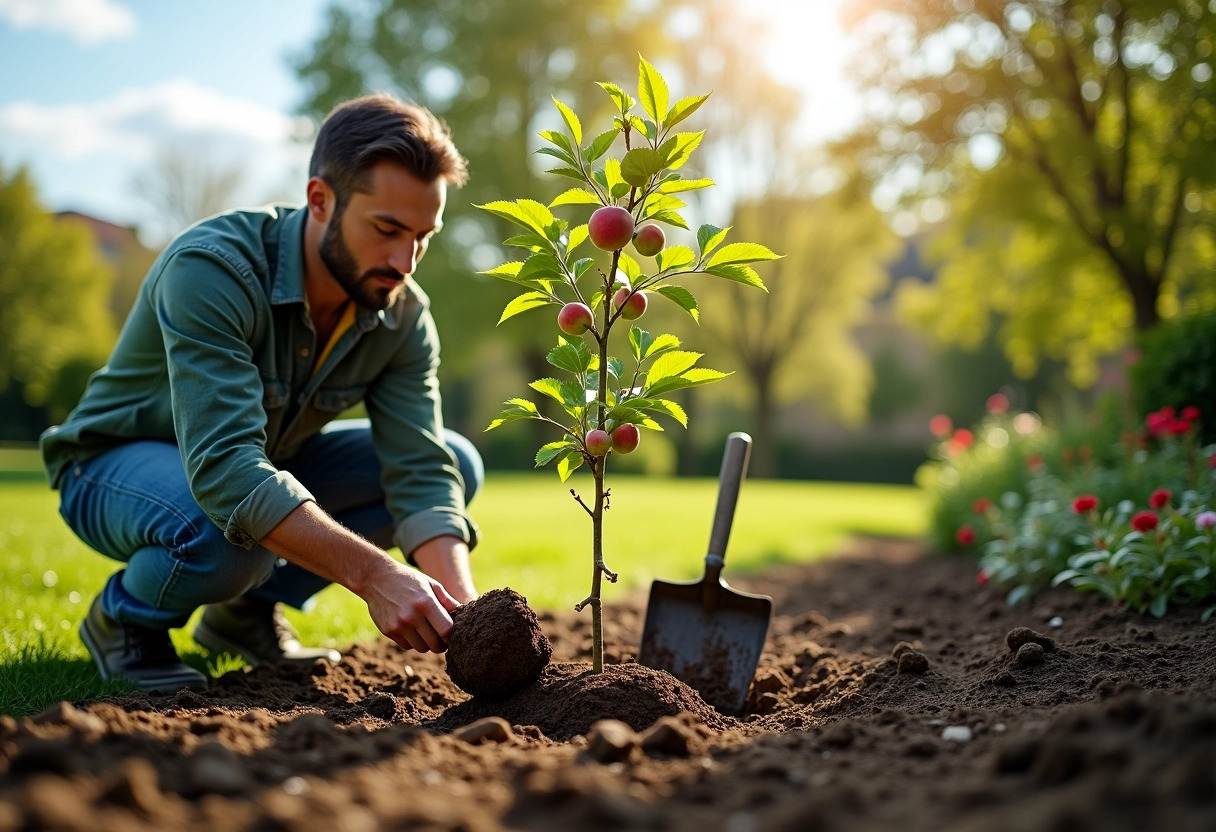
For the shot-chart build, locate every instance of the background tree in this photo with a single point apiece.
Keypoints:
(182, 186)
(53, 291)
(1070, 140)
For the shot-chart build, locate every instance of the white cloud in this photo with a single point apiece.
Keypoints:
(88, 21)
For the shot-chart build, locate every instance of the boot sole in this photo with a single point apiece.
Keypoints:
(206, 637)
(166, 684)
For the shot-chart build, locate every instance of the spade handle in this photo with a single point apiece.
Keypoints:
(734, 467)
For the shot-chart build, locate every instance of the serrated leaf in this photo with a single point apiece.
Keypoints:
(571, 355)
(552, 450)
(577, 236)
(623, 99)
(738, 273)
(693, 378)
(630, 268)
(568, 464)
(542, 266)
(652, 90)
(639, 342)
(575, 196)
(674, 257)
(514, 410)
(671, 409)
(558, 153)
(709, 237)
(669, 217)
(643, 126)
(529, 240)
(683, 298)
(675, 186)
(600, 145)
(672, 363)
(662, 202)
(639, 165)
(682, 109)
(572, 122)
(619, 190)
(681, 147)
(526, 212)
(573, 394)
(550, 387)
(581, 266)
(505, 270)
(661, 344)
(612, 172)
(741, 253)
(616, 367)
(524, 302)
(569, 173)
(560, 139)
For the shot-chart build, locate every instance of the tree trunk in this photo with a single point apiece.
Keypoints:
(1144, 290)
(764, 438)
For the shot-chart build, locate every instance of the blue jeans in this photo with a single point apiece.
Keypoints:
(133, 504)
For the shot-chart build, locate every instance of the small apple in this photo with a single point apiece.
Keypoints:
(598, 442)
(625, 438)
(610, 227)
(634, 305)
(649, 240)
(574, 318)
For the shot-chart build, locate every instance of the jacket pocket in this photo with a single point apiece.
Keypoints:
(337, 399)
(274, 394)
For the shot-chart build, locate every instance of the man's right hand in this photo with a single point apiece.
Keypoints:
(410, 607)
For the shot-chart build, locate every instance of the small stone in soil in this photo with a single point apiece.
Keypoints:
(488, 729)
(496, 646)
(1022, 635)
(1029, 654)
(611, 741)
(912, 661)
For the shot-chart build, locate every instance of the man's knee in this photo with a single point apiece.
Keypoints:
(222, 570)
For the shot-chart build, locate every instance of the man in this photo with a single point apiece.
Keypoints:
(200, 457)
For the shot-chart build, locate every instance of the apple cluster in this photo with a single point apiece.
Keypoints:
(623, 439)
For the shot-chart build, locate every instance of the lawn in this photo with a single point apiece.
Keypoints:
(537, 540)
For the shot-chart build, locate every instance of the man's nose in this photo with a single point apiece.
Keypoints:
(405, 258)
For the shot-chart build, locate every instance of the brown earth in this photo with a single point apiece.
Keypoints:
(894, 693)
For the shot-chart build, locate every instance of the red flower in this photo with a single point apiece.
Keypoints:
(981, 505)
(963, 438)
(1144, 521)
(1190, 413)
(981, 577)
(1160, 498)
(965, 535)
(998, 403)
(1035, 463)
(1084, 503)
(1212, 461)
(1178, 427)
(940, 425)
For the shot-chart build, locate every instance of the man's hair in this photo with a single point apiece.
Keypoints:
(360, 133)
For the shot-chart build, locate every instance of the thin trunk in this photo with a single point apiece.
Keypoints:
(764, 439)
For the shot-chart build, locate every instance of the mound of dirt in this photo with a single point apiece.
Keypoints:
(496, 646)
(893, 693)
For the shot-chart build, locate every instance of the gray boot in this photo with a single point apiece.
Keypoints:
(256, 631)
(145, 656)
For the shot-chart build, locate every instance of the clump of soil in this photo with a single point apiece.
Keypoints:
(496, 645)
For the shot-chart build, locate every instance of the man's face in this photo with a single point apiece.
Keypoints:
(375, 243)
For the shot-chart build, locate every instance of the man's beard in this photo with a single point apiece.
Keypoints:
(364, 289)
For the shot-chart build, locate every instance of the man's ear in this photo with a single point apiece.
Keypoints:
(321, 200)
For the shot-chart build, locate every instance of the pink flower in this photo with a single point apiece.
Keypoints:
(940, 425)
(1190, 413)
(1144, 521)
(981, 505)
(963, 438)
(965, 535)
(1160, 498)
(1178, 427)
(1205, 520)
(998, 403)
(1084, 503)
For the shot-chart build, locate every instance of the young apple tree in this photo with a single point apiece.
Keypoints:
(606, 399)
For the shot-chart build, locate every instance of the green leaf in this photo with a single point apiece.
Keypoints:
(623, 100)
(612, 173)
(560, 139)
(515, 409)
(693, 378)
(670, 363)
(652, 90)
(600, 144)
(616, 367)
(571, 355)
(619, 190)
(663, 406)
(530, 240)
(576, 129)
(578, 236)
(630, 268)
(639, 342)
(709, 237)
(642, 125)
(581, 266)
(558, 153)
(505, 270)
(575, 196)
(669, 217)
(639, 165)
(741, 253)
(550, 387)
(678, 149)
(568, 464)
(738, 273)
(552, 450)
(526, 212)
(682, 109)
(524, 302)
(662, 202)
(661, 344)
(675, 186)
(542, 265)
(569, 173)
(573, 395)
(674, 257)
(683, 298)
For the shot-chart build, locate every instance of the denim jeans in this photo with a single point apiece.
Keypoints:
(133, 504)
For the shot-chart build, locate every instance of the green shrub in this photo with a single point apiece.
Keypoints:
(1177, 369)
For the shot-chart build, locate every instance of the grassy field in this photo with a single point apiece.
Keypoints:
(537, 540)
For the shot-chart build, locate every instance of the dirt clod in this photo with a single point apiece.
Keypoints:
(610, 741)
(1023, 635)
(486, 729)
(1029, 654)
(912, 661)
(496, 645)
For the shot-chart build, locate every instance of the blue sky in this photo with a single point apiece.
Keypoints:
(91, 89)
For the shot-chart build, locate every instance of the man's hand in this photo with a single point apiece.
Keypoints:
(446, 559)
(410, 608)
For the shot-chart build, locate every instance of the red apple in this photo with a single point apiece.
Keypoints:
(649, 240)
(598, 442)
(610, 227)
(625, 438)
(634, 305)
(574, 318)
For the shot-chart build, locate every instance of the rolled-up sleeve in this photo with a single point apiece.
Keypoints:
(423, 488)
(209, 322)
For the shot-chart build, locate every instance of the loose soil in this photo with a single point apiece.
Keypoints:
(894, 693)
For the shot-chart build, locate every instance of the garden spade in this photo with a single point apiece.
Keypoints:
(704, 633)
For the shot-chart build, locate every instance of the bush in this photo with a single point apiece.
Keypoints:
(1177, 368)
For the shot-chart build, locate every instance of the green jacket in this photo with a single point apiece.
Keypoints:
(217, 356)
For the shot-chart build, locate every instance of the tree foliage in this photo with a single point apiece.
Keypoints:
(1070, 140)
(54, 287)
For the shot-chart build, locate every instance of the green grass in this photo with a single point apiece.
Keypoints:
(537, 540)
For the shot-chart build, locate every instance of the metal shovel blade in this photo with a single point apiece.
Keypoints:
(704, 633)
